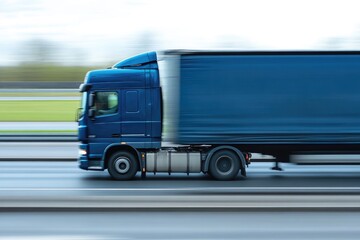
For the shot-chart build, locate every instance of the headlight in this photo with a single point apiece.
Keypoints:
(82, 152)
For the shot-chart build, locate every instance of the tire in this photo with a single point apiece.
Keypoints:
(224, 165)
(123, 165)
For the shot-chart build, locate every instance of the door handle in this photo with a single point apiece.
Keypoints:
(115, 135)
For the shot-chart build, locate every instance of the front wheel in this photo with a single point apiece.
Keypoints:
(123, 165)
(224, 165)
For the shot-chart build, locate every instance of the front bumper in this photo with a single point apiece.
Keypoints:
(87, 164)
(83, 162)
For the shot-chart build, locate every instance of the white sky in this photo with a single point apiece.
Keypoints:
(101, 31)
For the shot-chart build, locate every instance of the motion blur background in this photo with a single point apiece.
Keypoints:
(47, 46)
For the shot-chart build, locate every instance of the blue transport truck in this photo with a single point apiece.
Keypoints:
(183, 111)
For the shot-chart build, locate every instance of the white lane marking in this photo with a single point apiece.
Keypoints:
(183, 189)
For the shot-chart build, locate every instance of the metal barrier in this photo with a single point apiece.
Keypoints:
(38, 138)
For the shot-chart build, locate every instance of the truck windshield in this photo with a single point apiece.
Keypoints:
(82, 106)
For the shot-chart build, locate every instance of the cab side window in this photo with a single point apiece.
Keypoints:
(106, 103)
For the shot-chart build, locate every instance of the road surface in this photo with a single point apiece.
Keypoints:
(179, 225)
(43, 126)
(56, 178)
(290, 195)
(39, 150)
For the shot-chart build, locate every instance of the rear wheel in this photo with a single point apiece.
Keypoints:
(123, 165)
(224, 165)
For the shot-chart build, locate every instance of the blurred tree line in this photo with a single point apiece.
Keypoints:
(39, 72)
(40, 60)
(43, 60)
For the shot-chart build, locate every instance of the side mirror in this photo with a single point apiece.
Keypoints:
(91, 113)
(78, 114)
(91, 99)
(84, 87)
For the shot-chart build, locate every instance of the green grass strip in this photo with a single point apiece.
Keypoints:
(38, 131)
(38, 111)
(39, 94)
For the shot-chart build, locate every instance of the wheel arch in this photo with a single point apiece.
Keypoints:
(226, 147)
(109, 150)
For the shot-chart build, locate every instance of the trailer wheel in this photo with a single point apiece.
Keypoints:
(123, 165)
(224, 165)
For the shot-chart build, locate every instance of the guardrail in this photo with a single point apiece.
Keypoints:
(38, 138)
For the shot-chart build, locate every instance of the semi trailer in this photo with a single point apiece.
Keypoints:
(182, 111)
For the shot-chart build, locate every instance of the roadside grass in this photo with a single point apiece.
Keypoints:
(42, 132)
(40, 94)
(38, 111)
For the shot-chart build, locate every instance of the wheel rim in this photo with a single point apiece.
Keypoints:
(122, 165)
(224, 164)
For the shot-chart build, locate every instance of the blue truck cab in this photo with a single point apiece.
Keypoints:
(122, 110)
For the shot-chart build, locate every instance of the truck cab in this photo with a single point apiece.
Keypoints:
(119, 111)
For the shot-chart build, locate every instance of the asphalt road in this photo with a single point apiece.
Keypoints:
(38, 150)
(180, 225)
(43, 126)
(54, 174)
(267, 204)
(26, 182)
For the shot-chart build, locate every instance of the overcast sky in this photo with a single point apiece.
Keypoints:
(101, 31)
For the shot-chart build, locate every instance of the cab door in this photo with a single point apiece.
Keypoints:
(104, 124)
(133, 115)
